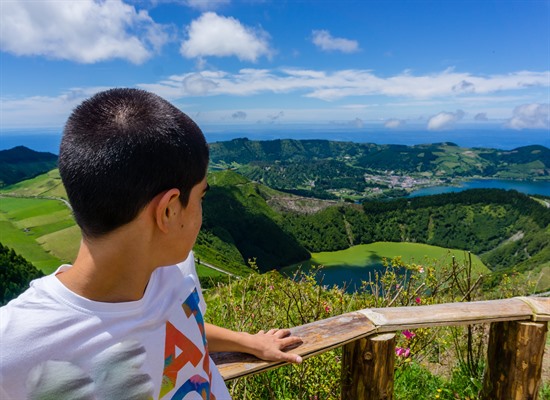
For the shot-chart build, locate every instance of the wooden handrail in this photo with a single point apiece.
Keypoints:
(323, 335)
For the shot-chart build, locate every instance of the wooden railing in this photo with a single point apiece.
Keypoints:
(514, 358)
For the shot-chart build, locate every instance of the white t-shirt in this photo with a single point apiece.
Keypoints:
(55, 344)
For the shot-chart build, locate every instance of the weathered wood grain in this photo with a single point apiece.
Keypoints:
(318, 337)
(449, 314)
(540, 307)
(368, 368)
(514, 360)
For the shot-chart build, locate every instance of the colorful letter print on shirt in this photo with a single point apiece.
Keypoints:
(180, 350)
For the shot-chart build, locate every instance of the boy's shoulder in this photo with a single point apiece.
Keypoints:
(36, 298)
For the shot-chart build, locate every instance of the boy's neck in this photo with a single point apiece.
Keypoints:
(112, 270)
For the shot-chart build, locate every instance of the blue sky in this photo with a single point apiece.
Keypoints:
(257, 64)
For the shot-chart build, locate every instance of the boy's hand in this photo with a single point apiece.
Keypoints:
(269, 345)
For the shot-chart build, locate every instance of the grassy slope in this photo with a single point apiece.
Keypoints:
(367, 254)
(45, 185)
(29, 226)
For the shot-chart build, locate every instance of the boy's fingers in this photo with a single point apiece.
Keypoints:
(291, 357)
(289, 341)
(283, 333)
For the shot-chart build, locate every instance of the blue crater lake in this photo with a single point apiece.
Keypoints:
(527, 187)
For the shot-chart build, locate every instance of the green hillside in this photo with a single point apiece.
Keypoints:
(44, 185)
(236, 212)
(41, 230)
(437, 159)
(20, 163)
(327, 169)
(37, 221)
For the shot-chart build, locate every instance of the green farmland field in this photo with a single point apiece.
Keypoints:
(41, 230)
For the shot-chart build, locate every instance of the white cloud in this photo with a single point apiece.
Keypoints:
(346, 83)
(330, 86)
(444, 120)
(394, 123)
(324, 40)
(400, 96)
(205, 5)
(42, 111)
(84, 31)
(530, 116)
(214, 35)
(197, 85)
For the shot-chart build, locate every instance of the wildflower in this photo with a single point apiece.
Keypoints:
(270, 287)
(327, 307)
(408, 334)
(418, 300)
(402, 352)
(421, 269)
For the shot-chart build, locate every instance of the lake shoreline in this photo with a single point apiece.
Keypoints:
(527, 186)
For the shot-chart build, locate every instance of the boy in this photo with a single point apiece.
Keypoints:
(125, 321)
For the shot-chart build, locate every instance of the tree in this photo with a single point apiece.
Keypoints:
(15, 274)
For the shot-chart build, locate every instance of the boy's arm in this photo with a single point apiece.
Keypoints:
(264, 345)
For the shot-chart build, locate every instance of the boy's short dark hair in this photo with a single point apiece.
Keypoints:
(120, 149)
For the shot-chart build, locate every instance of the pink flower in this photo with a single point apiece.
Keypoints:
(402, 352)
(418, 300)
(408, 334)
(270, 287)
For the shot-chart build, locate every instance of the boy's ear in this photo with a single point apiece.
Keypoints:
(167, 208)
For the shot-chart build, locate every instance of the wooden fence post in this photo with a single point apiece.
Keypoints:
(367, 368)
(514, 360)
